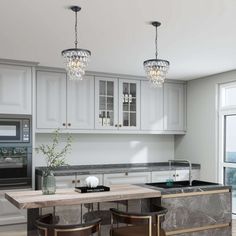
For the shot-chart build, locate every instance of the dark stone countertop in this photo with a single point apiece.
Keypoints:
(177, 190)
(115, 168)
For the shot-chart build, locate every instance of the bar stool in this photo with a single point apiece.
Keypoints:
(138, 224)
(47, 226)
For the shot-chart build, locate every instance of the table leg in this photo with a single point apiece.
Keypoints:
(32, 215)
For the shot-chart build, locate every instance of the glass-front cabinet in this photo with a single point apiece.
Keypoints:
(129, 104)
(117, 103)
(106, 115)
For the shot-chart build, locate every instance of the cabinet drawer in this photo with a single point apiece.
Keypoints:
(162, 176)
(127, 178)
(65, 181)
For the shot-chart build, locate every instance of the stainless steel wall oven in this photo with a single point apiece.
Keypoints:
(15, 151)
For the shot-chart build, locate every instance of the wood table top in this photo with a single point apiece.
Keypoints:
(63, 197)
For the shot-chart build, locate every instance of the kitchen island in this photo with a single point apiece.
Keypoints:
(204, 209)
(34, 200)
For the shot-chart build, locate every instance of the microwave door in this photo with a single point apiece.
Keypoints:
(10, 131)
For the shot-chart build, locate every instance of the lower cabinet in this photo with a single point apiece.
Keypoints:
(9, 214)
(176, 175)
(127, 178)
(73, 181)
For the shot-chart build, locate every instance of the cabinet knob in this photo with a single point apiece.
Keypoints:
(177, 175)
(73, 181)
(78, 181)
(120, 125)
(116, 125)
(64, 124)
(173, 175)
(69, 124)
(126, 173)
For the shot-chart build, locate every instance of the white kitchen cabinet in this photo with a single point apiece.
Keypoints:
(51, 100)
(62, 103)
(176, 175)
(127, 178)
(162, 176)
(117, 104)
(9, 214)
(151, 107)
(80, 103)
(74, 180)
(15, 89)
(174, 107)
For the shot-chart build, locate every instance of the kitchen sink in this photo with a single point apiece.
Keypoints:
(182, 184)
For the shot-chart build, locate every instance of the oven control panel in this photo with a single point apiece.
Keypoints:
(26, 130)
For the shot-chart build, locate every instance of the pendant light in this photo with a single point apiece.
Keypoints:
(156, 69)
(76, 59)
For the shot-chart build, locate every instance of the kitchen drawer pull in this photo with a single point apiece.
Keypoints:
(73, 181)
(64, 124)
(78, 181)
(116, 125)
(69, 124)
(120, 125)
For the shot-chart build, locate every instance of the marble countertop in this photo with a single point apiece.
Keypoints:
(115, 168)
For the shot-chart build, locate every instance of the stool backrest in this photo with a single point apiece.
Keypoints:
(47, 226)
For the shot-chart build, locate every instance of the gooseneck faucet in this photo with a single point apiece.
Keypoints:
(184, 161)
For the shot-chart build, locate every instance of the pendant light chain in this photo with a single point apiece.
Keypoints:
(156, 43)
(76, 30)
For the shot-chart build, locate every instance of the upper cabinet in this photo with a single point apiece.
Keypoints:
(117, 104)
(174, 107)
(151, 107)
(64, 104)
(51, 100)
(15, 89)
(101, 104)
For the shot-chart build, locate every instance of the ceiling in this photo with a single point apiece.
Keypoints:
(198, 37)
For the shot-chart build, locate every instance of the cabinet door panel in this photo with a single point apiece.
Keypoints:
(129, 104)
(80, 104)
(127, 178)
(15, 89)
(106, 106)
(65, 181)
(151, 107)
(162, 176)
(174, 106)
(51, 100)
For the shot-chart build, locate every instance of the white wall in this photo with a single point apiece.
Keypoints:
(200, 143)
(110, 148)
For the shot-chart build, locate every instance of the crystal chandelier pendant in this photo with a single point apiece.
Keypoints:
(156, 69)
(76, 59)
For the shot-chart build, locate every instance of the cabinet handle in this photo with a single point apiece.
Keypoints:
(173, 175)
(64, 124)
(120, 125)
(126, 173)
(73, 181)
(116, 125)
(69, 124)
(78, 181)
(177, 175)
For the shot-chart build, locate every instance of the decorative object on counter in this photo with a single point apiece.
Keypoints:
(99, 188)
(54, 158)
(76, 59)
(92, 181)
(156, 69)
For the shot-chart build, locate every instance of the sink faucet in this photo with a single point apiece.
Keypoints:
(190, 167)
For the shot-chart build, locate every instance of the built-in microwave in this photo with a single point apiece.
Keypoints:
(15, 129)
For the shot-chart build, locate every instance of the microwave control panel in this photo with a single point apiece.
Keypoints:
(26, 130)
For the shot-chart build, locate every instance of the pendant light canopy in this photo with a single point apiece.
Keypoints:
(76, 59)
(156, 69)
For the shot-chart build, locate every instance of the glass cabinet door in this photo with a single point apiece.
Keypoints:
(106, 103)
(129, 96)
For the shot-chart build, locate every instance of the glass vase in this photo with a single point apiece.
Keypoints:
(48, 183)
